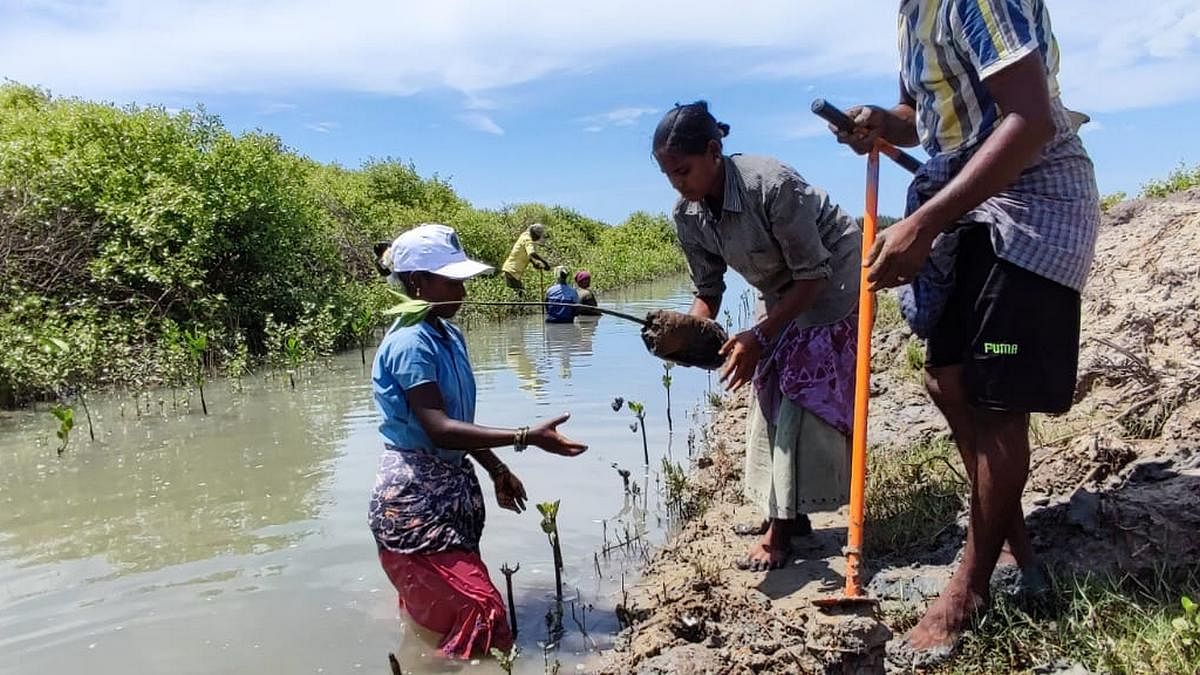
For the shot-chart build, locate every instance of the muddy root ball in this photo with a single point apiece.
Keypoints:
(684, 339)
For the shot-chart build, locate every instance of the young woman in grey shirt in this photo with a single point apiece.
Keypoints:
(801, 252)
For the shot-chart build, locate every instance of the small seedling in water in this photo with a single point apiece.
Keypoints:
(57, 349)
(508, 573)
(293, 349)
(639, 411)
(66, 421)
(361, 325)
(196, 344)
(549, 511)
(666, 381)
(505, 661)
(624, 474)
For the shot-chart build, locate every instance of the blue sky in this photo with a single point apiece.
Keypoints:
(555, 102)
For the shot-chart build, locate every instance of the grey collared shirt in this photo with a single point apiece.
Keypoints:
(774, 229)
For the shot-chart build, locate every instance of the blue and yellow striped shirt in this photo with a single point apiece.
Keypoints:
(949, 47)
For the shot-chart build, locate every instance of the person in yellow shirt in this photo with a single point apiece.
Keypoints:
(524, 252)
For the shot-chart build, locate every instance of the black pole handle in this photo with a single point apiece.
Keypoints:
(832, 114)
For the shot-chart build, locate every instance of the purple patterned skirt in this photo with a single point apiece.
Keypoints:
(425, 504)
(814, 368)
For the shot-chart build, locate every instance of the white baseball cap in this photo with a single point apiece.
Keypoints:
(433, 248)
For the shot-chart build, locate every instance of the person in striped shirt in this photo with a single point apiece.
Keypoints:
(1009, 199)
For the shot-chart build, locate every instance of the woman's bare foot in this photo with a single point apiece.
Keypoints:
(772, 550)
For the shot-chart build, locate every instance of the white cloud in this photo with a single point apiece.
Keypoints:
(1152, 59)
(1117, 55)
(481, 122)
(276, 108)
(133, 47)
(621, 117)
(322, 127)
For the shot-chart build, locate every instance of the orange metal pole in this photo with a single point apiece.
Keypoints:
(862, 390)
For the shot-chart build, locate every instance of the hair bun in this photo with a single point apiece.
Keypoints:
(723, 128)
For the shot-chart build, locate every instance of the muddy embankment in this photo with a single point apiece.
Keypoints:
(1114, 484)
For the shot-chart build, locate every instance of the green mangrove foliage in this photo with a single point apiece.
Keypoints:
(121, 225)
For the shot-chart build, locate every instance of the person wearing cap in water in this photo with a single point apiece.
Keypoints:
(524, 252)
(426, 511)
(583, 279)
(560, 297)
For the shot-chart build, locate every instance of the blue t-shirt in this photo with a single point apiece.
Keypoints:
(411, 356)
(558, 313)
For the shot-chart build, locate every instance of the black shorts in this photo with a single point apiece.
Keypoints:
(1015, 333)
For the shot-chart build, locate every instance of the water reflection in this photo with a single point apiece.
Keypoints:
(534, 352)
(169, 490)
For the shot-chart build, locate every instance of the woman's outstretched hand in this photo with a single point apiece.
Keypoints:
(546, 437)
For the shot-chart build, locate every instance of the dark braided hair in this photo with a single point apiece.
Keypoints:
(687, 129)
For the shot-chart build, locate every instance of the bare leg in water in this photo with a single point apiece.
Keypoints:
(1000, 444)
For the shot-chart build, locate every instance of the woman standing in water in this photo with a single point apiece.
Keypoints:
(426, 511)
(801, 252)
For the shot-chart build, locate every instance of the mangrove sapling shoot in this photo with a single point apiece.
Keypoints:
(508, 573)
(549, 511)
(196, 344)
(666, 381)
(57, 349)
(361, 325)
(293, 351)
(66, 421)
(639, 411)
(624, 474)
(506, 661)
(87, 414)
